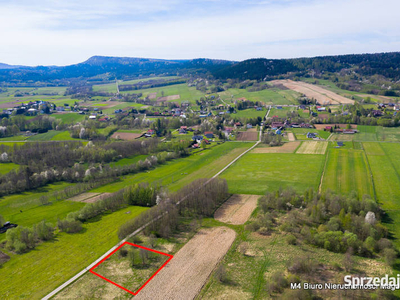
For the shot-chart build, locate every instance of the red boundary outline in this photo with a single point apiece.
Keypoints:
(127, 243)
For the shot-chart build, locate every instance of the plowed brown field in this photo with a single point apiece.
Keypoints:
(237, 209)
(322, 95)
(189, 269)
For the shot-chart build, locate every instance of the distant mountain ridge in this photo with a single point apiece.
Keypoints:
(116, 66)
(6, 66)
(386, 64)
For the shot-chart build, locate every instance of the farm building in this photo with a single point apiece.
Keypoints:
(197, 138)
(340, 144)
(209, 134)
(311, 135)
(349, 131)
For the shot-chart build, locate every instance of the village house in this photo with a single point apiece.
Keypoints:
(311, 135)
(349, 131)
(209, 134)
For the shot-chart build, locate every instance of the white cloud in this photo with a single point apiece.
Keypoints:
(72, 32)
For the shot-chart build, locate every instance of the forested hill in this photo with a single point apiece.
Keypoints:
(107, 68)
(111, 67)
(386, 64)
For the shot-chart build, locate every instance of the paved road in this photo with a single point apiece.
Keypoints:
(77, 276)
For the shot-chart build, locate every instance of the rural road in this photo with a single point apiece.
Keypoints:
(77, 276)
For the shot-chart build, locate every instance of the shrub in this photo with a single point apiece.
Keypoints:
(220, 274)
(291, 239)
(390, 256)
(20, 247)
(44, 231)
(123, 252)
(277, 283)
(69, 225)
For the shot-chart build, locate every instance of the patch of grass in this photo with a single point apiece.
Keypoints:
(128, 160)
(258, 173)
(14, 138)
(32, 210)
(347, 171)
(267, 96)
(44, 136)
(177, 173)
(386, 180)
(34, 274)
(64, 136)
(69, 118)
(185, 92)
(250, 113)
(7, 167)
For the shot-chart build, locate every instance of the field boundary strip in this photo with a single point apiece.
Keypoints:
(86, 269)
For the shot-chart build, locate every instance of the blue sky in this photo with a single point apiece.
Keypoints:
(51, 32)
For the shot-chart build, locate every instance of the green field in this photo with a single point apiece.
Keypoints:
(34, 274)
(186, 93)
(177, 173)
(7, 167)
(386, 178)
(347, 170)
(128, 160)
(258, 173)
(26, 209)
(69, 118)
(14, 138)
(52, 135)
(112, 88)
(267, 96)
(250, 113)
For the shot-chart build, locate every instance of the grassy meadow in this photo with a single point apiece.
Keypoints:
(34, 274)
(177, 173)
(257, 173)
(347, 170)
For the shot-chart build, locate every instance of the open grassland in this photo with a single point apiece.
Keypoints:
(190, 268)
(128, 160)
(237, 209)
(322, 95)
(64, 136)
(26, 209)
(52, 135)
(250, 113)
(386, 178)
(268, 96)
(68, 118)
(119, 270)
(289, 147)
(248, 274)
(112, 88)
(280, 112)
(7, 167)
(177, 173)
(373, 149)
(314, 147)
(13, 138)
(259, 173)
(185, 92)
(34, 274)
(346, 171)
